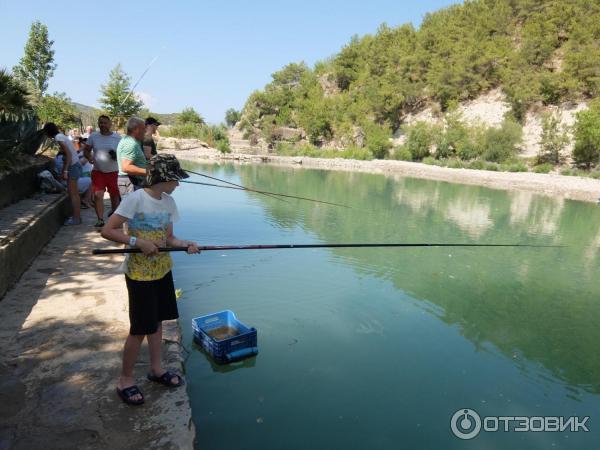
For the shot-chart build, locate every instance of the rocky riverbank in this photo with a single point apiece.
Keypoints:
(570, 187)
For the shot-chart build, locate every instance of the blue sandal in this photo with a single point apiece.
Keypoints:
(166, 379)
(129, 392)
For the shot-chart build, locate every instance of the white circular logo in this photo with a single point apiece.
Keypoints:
(465, 424)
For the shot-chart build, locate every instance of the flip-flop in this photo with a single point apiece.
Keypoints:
(166, 379)
(129, 392)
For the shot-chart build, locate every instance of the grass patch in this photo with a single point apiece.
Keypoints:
(543, 168)
(477, 164)
(287, 149)
(456, 164)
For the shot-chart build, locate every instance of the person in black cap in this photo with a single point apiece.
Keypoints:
(149, 145)
(149, 213)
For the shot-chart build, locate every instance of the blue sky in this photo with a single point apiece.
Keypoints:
(211, 55)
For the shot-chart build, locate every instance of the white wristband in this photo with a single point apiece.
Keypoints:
(132, 241)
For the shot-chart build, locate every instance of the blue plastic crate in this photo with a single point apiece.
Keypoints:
(229, 349)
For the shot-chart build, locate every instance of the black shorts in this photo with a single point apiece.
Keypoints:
(150, 302)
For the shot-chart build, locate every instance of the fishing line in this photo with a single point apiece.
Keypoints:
(265, 192)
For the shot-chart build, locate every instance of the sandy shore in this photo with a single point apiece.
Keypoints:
(575, 188)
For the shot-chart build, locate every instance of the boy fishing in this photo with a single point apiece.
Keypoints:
(149, 214)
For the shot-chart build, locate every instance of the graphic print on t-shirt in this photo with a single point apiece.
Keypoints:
(152, 227)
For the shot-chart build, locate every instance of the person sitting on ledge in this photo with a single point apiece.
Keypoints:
(71, 169)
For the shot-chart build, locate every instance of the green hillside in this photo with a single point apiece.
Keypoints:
(545, 52)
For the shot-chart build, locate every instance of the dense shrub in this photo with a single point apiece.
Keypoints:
(457, 139)
(420, 138)
(456, 164)
(567, 171)
(477, 164)
(553, 139)
(183, 131)
(543, 168)
(214, 135)
(500, 144)
(363, 154)
(377, 140)
(190, 116)
(514, 167)
(402, 153)
(587, 138)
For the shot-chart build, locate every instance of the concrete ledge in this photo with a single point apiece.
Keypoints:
(25, 228)
(22, 182)
(61, 343)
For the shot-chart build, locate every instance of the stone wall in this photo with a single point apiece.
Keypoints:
(25, 228)
(22, 182)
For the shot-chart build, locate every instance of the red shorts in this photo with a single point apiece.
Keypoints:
(102, 181)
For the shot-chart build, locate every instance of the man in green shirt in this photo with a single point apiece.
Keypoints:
(131, 158)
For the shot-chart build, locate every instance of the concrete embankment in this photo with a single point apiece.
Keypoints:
(61, 337)
(25, 227)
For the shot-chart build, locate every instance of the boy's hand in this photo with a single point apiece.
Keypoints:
(192, 247)
(160, 242)
(149, 248)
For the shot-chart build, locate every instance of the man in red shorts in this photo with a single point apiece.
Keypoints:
(104, 176)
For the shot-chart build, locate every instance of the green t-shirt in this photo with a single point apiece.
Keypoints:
(130, 149)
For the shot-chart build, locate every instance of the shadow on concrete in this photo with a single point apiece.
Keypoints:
(61, 340)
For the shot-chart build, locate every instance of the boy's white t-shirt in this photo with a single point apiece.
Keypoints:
(62, 138)
(148, 218)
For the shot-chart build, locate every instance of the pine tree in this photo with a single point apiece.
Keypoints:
(37, 66)
(118, 101)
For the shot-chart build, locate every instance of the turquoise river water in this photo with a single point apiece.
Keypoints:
(379, 348)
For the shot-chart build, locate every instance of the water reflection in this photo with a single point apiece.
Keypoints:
(537, 307)
(247, 363)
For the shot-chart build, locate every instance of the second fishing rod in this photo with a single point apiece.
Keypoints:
(235, 186)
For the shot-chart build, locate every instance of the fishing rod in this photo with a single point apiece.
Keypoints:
(112, 251)
(233, 184)
(265, 192)
(138, 81)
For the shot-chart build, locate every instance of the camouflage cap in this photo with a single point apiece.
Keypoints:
(164, 167)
